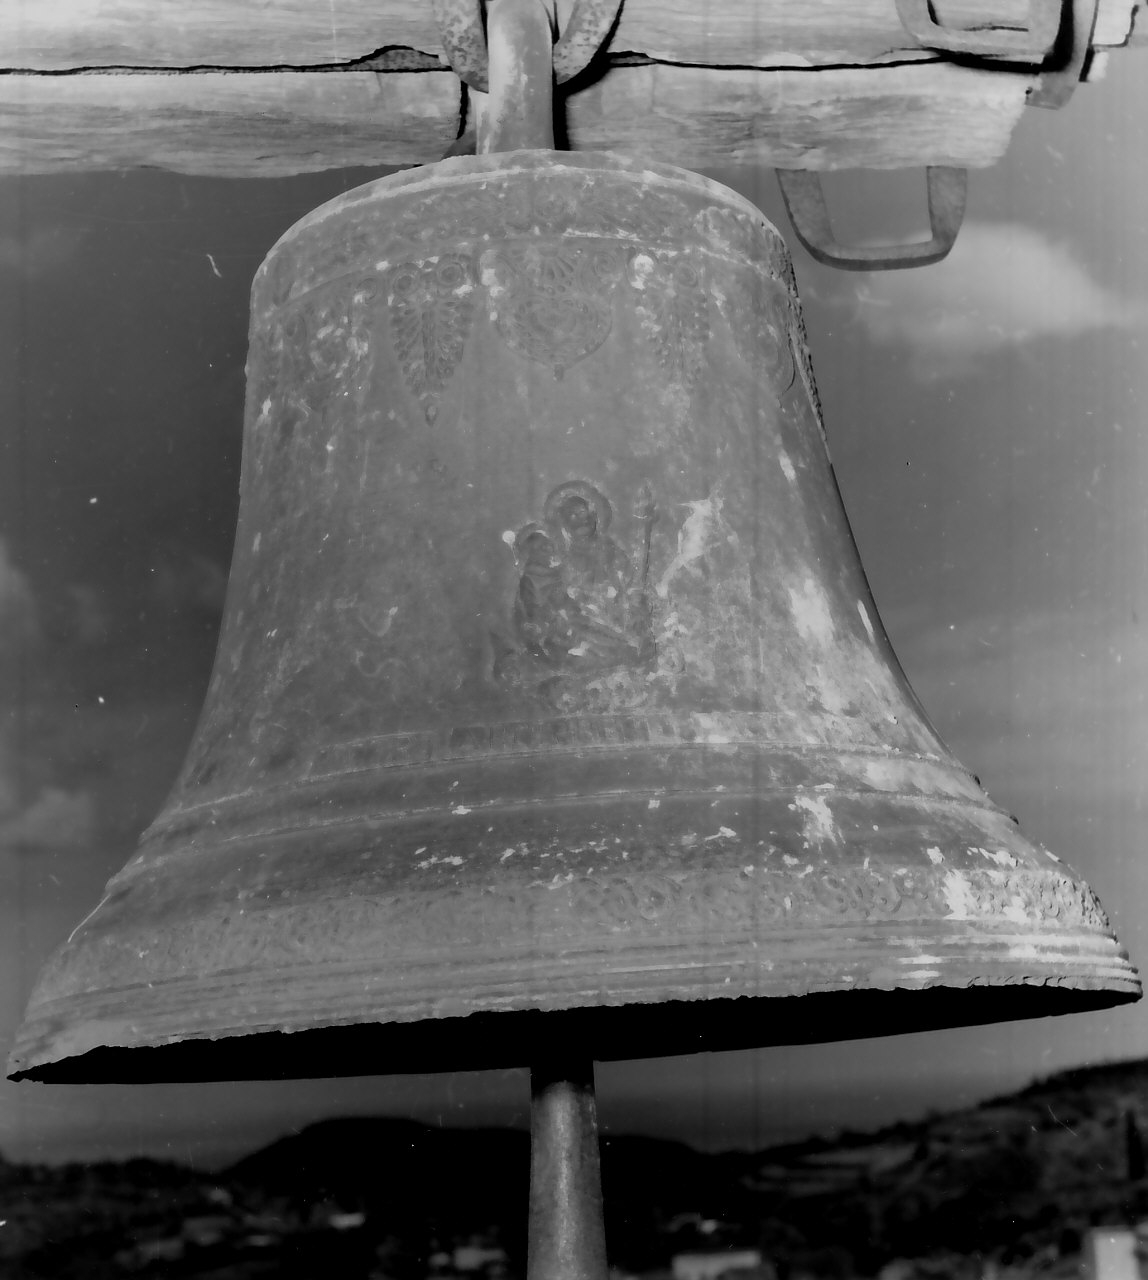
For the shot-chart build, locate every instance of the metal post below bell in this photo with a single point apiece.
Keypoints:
(566, 1237)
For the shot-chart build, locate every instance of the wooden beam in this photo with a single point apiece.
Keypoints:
(226, 124)
(62, 35)
(863, 118)
(275, 87)
(274, 124)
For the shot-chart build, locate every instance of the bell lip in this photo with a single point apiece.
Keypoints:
(463, 170)
(492, 1040)
(730, 925)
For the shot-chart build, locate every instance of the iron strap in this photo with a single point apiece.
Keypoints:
(805, 203)
(460, 24)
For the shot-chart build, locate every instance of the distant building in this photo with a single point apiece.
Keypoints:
(477, 1257)
(709, 1266)
(1112, 1253)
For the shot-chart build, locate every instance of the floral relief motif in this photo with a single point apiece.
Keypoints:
(646, 905)
(320, 343)
(430, 305)
(567, 205)
(673, 311)
(746, 238)
(550, 301)
(759, 314)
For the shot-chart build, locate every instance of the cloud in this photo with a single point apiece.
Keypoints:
(1002, 286)
(54, 819)
(187, 582)
(40, 251)
(18, 619)
(1037, 700)
(90, 619)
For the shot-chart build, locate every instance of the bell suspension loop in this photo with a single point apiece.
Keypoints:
(518, 111)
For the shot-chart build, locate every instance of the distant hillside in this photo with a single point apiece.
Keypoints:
(1018, 1179)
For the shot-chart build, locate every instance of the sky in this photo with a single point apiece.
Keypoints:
(986, 418)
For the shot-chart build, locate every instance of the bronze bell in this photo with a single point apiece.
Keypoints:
(550, 679)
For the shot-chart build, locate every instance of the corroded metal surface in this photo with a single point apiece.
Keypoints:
(464, 38)
(460, 27)
(550, 678)
(584, 36)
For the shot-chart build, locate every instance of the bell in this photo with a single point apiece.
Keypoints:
(550, 685)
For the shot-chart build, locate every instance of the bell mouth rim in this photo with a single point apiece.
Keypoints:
(474, 170)
(505, 1039)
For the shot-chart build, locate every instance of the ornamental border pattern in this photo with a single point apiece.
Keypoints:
(578, 913)
(478, 215)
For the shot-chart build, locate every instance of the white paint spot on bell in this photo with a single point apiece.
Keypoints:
(866, 621)
(693, 537)
(935, 856)
(818, 824)
(508, 538)
(654, 804)
(452, 861)
(787, 466)
(641, 268)
(959, 896)
(712, 729)
(1015, 912)
(811, 611)
(886, 775)
(257, 541)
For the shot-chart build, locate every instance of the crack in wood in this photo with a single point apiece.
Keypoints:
(390, 60)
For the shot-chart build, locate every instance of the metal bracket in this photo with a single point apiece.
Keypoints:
(1054, 87)
(1031, 43)
(463, 36)
(460, 24)
(804, 199)
(1060, 30)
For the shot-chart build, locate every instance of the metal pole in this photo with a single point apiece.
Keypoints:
(566, 1238)
(519, 109)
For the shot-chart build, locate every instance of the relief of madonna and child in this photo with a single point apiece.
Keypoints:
(581, 613)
